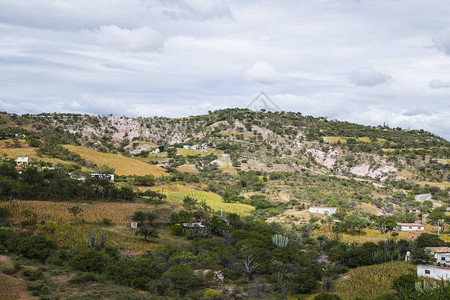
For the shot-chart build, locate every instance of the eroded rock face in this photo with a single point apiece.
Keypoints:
(328, 159)
(381, 172)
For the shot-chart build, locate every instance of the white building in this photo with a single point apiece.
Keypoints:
(323, 210)
(434, 272)
(110, 177)
(156, 150)
(22, 160)
(441, 254)
(409, 226)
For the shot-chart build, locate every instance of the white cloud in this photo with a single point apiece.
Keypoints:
(439, 84)
(139, 39)
(263, 72)
(170, 57)
(442, 41)
(367, 76)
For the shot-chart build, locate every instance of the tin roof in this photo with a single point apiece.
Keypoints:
(410, 224)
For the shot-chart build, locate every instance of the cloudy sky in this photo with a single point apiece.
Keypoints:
(366, 61)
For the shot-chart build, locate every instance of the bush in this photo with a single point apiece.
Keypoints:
(136, 272)
(38, 288)
(89, 260)
(33, 247)
(84, 277)
(176, 229)
(181, 278)
(32, 275)
(327, 296)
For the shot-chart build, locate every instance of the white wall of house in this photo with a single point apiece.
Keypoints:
(408, 228)
(433, 272)
(323, 210)
(442, 258)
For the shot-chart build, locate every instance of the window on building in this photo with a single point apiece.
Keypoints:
(427, 271)
(443, 258)
(410, 227)
(419, 227)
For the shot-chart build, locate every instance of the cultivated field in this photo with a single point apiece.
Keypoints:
(122, 165)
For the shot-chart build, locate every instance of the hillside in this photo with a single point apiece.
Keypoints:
(226, 192)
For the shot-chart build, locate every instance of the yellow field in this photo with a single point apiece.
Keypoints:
(370, 235)
(58, 212)
(122, 165)
(335, 139)
(236, 133)
(371, 281)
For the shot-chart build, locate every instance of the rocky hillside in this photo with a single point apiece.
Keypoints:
(255, 141)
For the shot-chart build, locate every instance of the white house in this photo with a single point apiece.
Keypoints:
(434, 272)
(323, 210)
(22, 160)
(156, 150)
(409, 226)
(441, 254)
(110, 177)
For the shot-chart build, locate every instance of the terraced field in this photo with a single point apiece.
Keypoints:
(122, 165)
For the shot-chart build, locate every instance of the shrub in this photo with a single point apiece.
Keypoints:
(181, 278)
(38, 288)
(136, 272)
(176, 229)
(89, 260)
(327, 296)
(33, 247)
(84, 277)
(32, 275)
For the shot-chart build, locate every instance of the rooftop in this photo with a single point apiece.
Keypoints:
(410, 224)
(439, 249)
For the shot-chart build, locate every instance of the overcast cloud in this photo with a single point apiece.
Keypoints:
(370, 62)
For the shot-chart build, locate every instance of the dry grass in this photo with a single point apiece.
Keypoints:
(58, 212)
(122, 165)
(187, 152)
(371, 281)
(12, 288)
(188, 169)
(369, 208)
(342, 139)
(236, 133)
(369, 235)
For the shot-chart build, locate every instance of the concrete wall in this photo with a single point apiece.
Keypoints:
(433, 272)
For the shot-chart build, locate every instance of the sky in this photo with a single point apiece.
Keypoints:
(371, 62)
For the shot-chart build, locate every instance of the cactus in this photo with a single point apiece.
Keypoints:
(280, 240)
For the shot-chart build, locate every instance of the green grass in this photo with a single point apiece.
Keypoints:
(371, 281)
(213, 200)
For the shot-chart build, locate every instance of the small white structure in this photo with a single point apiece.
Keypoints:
(441, 254)
(134, 225)
(193, 225)
(22, 161)
(225, 155)
(435, 272)
(323, 210)
(109, 177)
(156, 150)
(409, 226)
